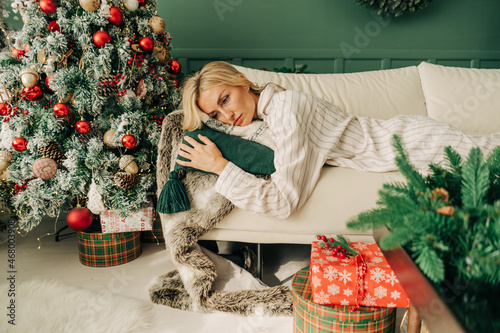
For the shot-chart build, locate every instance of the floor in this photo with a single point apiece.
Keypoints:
(38, 255)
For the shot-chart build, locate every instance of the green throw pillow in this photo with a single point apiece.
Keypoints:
(250, 156)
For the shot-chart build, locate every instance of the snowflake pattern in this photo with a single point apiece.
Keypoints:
(330, 273)
(333, 289)
(369, 300)
(377, 274)
(316, 281)
(376, 260)
(344, 302)
(391, 278)
(345, 276)
(380, 292)
(359, 246)
(321, 297)
(391, 305)
(332, 258)
(347, 292)
(395, 294)
(315, 268)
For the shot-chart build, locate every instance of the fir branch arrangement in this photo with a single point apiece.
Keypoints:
(449, 220)
(393, 8)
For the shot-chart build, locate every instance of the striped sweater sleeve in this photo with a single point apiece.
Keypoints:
(297, 162)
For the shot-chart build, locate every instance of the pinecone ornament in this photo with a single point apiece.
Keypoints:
(70, 118)
(52, 151)
(125, 180)
(107, 86)
(84, 138)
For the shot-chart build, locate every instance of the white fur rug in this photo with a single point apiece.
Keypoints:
(50, 306)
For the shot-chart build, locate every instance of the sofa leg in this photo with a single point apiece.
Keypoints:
(259, 261)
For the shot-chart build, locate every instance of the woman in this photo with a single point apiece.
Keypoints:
(308, 132)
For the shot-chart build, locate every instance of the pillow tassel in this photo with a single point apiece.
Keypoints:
(173, 197)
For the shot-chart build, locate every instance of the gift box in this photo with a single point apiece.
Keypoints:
(366, 279)
(309, 317)
(96, 249)
(156, 234)
(113, 222)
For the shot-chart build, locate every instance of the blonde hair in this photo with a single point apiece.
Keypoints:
(211, 75)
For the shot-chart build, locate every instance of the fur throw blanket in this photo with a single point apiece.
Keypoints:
(189, 287)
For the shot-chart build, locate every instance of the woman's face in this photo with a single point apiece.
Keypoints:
(234, 105)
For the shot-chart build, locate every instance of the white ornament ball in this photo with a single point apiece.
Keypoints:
(130, 93)
(90, 5)
(156, 24)
(29, 77)
(131, 4)
(44, 168)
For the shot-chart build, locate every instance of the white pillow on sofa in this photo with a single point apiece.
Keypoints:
(381, 94)
(467, 98)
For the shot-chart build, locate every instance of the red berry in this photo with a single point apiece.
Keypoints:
(339, 247)
(332, 240)
(327, 245)
(319, 237)
(323, 238)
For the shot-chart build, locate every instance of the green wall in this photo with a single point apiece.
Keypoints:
(332, 35)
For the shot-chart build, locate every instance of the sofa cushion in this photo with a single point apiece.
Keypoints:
(380, 94)
(340, 194)
(467, 98)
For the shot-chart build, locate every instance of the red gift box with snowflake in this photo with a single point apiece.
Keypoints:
(365, 279)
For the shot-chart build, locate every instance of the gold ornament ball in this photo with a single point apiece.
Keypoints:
(5, 159)
(108, 139)
(4, 175)
(157, 25)
(90, 5)
(128, 164)
(29, 77)
(161, 53)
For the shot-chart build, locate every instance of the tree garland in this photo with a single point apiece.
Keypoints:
(393, 8)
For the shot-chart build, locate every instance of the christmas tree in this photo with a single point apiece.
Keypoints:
(83, 92)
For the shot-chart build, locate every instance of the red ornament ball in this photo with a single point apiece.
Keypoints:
(61, 109)
(101, 38)
(33, 94)
(19, 144)
(5, 109)
(47, 82)
(82, 126)
(116, 16)
(79, 219)
(142, 3)
(16, 53)
(174, 67)
(48, 6)
(146, 44)
(54, 26)
(129, 141)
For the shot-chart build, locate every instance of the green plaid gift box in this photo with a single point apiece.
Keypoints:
(104, 250)
(309, 317)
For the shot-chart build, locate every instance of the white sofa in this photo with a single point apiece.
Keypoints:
(466, 98)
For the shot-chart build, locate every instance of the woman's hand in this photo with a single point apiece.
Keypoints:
(203, 156)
